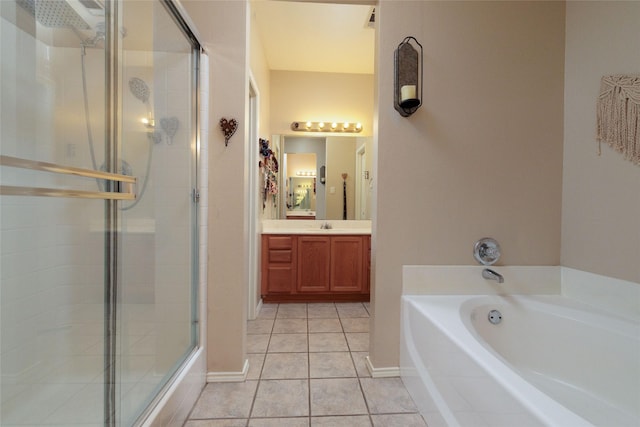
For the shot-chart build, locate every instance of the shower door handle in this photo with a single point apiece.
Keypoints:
(127, 184)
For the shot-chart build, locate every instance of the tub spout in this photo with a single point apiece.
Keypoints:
(488, 273)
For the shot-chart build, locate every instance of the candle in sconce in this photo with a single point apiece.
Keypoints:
(408, 97)
(407, 92)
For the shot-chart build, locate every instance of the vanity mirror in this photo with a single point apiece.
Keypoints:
(313, 167)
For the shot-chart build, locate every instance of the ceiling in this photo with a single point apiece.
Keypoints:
(322, 37)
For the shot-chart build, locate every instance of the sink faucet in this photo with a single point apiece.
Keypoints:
(488, 273)
(325, 226)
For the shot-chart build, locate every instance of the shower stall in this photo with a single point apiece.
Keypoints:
(99, 221)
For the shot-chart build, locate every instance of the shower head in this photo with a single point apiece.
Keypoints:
(99, 36)
(54, 14)
(139, 89)
(61, 14)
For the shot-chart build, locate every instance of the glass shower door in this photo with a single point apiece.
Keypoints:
(156, 308)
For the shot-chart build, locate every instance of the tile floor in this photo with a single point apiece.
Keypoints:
(307, 368)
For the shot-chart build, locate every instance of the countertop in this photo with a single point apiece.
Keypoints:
(306, 226)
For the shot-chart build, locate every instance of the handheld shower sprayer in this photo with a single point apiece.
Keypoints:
(140, 89)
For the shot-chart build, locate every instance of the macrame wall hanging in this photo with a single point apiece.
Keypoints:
(619, 115)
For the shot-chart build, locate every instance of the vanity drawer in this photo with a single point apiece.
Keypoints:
(280, 242)
(280, 256)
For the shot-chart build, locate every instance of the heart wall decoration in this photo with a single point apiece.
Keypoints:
(228, 127)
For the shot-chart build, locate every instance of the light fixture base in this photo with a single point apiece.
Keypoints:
(337, 127)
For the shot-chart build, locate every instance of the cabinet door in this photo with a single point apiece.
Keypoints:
(347, 257)
(313, 263)
(278, 264)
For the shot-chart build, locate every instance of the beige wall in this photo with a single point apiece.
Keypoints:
(481, 157)
(601, 194)
(223, 26)
(320, 97)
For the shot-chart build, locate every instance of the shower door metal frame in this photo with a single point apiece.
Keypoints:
(113, 125)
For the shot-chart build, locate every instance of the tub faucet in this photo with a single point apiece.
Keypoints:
(488, 273)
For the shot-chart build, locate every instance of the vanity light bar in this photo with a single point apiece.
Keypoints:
(326, 127)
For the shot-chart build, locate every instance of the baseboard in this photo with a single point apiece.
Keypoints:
(229, 377)
(382, 372)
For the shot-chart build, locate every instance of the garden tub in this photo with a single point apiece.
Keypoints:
(540, 360)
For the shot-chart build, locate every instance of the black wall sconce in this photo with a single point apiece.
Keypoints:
(407, 97)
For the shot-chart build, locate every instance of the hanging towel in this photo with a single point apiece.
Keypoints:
(618, 118)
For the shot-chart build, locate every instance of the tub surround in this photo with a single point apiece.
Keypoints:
(606, 293)
(463, 279)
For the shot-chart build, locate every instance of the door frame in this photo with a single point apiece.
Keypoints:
(253, 299)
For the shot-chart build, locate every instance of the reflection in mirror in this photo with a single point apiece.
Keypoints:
(329, 194)
(301, 185)
(302, 194)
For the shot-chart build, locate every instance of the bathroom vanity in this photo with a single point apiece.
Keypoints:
(303, 262)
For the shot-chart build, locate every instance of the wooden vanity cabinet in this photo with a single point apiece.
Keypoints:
(307, 268)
